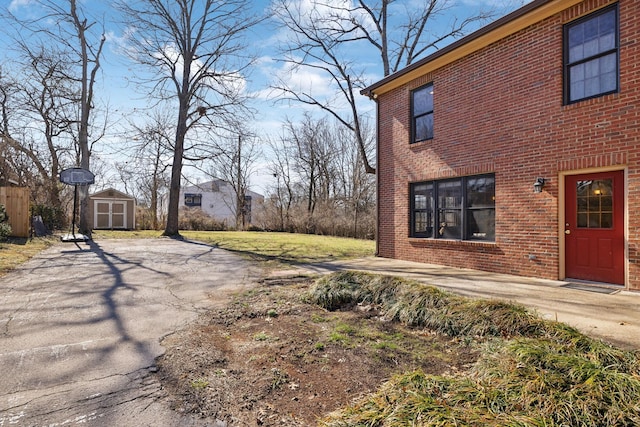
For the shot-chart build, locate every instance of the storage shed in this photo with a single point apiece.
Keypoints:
(111, 209)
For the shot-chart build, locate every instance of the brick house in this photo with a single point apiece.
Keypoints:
(548, 95)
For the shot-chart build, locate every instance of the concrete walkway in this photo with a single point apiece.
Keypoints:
(607, 313)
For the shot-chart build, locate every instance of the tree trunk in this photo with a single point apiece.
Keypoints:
(171, 229)
(154, 203)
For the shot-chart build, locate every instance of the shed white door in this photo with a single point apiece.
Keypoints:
(110, 214)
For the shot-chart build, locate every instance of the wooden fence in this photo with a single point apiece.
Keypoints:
(16, 202)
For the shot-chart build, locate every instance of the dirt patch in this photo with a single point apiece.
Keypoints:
(269, 359)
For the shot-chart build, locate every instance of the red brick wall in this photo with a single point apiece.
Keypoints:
(501, 110)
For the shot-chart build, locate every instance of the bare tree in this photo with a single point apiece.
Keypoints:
(149, 160)
(194, 49)
(71, 36)
(235, 164)
(9, 167)
(46, 97)
(315, 153)
(321, 187)
(324, 34)
(35, 125)
(355, 188)
(281, 167)
(89, 53)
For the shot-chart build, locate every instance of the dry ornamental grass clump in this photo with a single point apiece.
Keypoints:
(531, 372)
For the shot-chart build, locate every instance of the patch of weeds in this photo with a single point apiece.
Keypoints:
(272, 313)
(242, 304)
(337, 337)
(344, 328)
(335, 291)
(527, 381)
(251, 293)
(319, 346)
(262, 336)
(385, 345)
(316, 318)
(278, 378)
(395, 341)
(342, 333)
(199, 384)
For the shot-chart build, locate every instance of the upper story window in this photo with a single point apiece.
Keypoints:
(422, 113)
(460, 209)
(591, 55)
(191, 199)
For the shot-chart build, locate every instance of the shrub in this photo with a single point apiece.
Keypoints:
(53, 217)
(5, 231)
(3, 214)
(146, 219)
(5, 227)
(415, 304)
(196, 220)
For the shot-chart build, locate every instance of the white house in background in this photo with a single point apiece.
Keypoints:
(217, 198)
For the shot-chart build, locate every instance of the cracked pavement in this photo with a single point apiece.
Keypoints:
(81, 325)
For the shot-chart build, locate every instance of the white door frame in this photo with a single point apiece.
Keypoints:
(110, 203)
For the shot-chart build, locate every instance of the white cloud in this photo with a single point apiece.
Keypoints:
(225, 81)
(233, 81)
(308, 80)
(17, 4)
(328, 14)
(301, 79)
(120, 41)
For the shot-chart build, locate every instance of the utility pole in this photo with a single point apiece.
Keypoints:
(239, 190)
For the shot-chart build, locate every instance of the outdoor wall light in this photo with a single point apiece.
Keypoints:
(538, 184)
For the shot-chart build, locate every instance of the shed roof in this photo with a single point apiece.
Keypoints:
(111, 193)
(517, 20)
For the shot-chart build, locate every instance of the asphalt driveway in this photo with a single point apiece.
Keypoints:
(80, 326)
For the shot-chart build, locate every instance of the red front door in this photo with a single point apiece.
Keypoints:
(594, 227)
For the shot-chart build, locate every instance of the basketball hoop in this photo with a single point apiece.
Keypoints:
(75, 177)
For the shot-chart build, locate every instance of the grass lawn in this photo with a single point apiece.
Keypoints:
(265, 246)
(272, 248)
(15, 251)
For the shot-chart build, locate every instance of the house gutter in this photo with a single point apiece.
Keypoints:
(377, 179)
(509, 24)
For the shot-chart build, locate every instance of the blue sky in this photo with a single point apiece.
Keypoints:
(123, 97)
